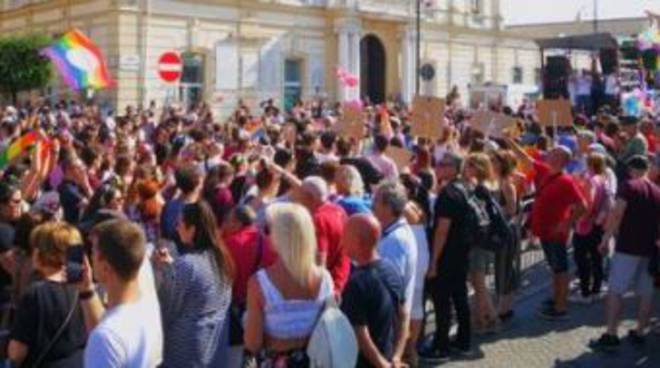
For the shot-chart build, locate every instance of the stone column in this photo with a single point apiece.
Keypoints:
(343, 62)
(408, 65)
(348, 55)
(356, 37)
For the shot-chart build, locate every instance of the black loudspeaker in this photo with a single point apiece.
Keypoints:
(650, 59)
(609, 60)
(555, 77)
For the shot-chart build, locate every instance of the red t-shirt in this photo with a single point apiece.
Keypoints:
(222, 203)
(329, 221)
(243, 245)
(556, 195)
(650, 139)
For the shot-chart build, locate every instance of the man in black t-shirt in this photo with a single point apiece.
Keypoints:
(448, 267)
(374, 296)
(634, 219)
(369, 173)
(74, 190)
(11, 200)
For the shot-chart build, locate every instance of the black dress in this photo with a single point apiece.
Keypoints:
(39, 315)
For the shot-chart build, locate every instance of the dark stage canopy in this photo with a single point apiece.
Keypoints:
(592, 41)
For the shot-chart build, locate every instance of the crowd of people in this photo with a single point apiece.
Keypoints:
(207, 243)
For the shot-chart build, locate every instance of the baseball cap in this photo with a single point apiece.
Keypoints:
(565, 149)
(48, 203)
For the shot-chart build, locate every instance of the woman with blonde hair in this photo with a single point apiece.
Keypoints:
(49, 305)
(285, 299)
(478, 174)
(350, 189)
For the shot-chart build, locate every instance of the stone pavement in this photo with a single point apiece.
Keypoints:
(530, 342)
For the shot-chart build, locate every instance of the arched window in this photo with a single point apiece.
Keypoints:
(373, 69)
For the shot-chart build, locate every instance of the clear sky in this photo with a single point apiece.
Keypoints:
(535, 11)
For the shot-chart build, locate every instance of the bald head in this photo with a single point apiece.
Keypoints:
(361, 236)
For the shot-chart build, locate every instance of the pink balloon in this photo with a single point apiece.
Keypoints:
(351, 81)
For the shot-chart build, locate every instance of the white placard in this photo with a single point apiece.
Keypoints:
(129, 63)
(250, 69)
(227, 62)
(271, 69)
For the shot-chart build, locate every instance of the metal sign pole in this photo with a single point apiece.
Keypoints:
(554, 126)
(418, 42)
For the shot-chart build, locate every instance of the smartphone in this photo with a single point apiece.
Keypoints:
(74, 264)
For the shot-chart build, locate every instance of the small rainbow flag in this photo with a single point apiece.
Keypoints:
(18, 146)
(79, 61)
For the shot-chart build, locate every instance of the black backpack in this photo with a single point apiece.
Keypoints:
(476, 223)
(486, 225)
(500, 233)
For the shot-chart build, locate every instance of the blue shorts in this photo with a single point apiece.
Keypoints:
(557, 256)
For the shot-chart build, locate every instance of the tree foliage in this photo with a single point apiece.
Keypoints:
(22, 68)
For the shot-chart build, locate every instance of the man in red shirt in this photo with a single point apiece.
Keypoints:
(558, 205)
(329, 221)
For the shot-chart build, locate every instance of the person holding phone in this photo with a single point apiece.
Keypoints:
(195, 292)
(49, 329)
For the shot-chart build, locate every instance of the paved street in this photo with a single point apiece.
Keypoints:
(531, 342)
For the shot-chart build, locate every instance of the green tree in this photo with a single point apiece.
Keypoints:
(22, 68)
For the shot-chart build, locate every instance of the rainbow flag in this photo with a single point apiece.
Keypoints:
(79, 61)
(17, 147)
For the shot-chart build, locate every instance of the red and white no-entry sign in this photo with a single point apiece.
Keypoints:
(170, 67)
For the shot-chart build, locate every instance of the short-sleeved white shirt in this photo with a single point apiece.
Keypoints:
(399, 246)
(129, 336)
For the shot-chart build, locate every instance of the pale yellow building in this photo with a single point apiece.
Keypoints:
(256, 49)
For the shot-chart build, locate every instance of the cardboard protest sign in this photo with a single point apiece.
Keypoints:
(554, 112)
(400, 156)
(427, 116)
(351, 123)
(491, 123)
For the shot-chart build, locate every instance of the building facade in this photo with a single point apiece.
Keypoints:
(287, 49)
